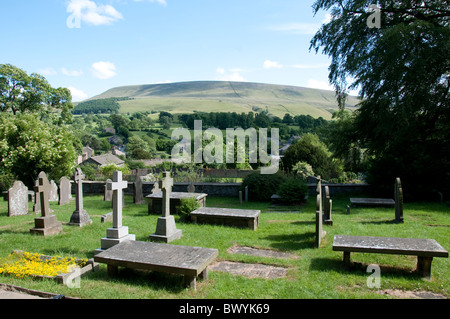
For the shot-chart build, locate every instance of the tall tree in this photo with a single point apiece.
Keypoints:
(23, 93)
(402, 70)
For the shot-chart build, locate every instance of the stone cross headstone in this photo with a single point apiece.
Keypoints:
(118, 233)
(327, 208)
(18, 199)
(398, 193)
(65, 190)
(108, 193)
(53, 195)
(137, 187)
(79, 217)
(166, 230)
(46, 224)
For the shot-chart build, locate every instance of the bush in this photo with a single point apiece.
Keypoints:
(293, 190)
(261, 187)
(187, 206)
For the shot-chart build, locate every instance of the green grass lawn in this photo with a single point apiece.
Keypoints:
(314, 273)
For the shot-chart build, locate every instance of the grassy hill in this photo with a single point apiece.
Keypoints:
(221, 96)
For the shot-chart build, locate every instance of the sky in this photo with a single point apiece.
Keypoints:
(90, 46)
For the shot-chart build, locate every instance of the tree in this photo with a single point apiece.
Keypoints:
(29, 146)
(403, 72)
(23, 93)
(311, 150)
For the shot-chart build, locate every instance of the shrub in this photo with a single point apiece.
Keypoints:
(262, 186)
(293, 190)
(187, 206)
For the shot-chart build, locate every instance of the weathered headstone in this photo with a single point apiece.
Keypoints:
(246, 194)
(118, 233)
(191, 188)
(327, 207)
(166, 230)
(108, 193)
(156, 188)
(320, 233)
(137, 187)
(53, 195)
(240, 197)
(18, 199)
(398, 193)
(46, 224)
(79, 217)
(64, 191)
(37, 199)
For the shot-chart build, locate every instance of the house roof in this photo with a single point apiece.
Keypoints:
(107, 159)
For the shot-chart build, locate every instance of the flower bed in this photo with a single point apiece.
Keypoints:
(21, 264)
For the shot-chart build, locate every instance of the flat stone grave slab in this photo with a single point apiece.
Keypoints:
(249, 270)
(227, 216)
(236, 249)
(424, 249)
(372, 202)
(192, 262)
(155, 201)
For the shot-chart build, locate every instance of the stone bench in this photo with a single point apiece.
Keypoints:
(372, 202)
(424, 249)
(192, 262)
(227, 216)
(155, 201)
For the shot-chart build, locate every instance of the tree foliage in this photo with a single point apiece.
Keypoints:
(23, 93)
(403, 73)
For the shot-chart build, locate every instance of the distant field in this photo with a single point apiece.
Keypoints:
(210, 96)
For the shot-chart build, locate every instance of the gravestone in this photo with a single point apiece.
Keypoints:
(320, 233)
(156, 188)
(398, 193)
(17, 199)
(47, 224)
(118, 233)
(137, 187)
(64, 191)
(191, 188)
(37, 200)
(328, 205)
(79, 217)
(166, 230)
(53, 195)
(108, 193)
(246, 194)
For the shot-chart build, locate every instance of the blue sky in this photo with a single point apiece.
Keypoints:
(91, 46)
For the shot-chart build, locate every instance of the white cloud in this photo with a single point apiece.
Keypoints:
(103, 70)
(77, 95)
(71, 72)
(91, 13)
(272, 65)
(232, 75)
(321, 85)
(163, 2)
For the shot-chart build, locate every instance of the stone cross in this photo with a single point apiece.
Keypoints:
(398, 193)
(117, 185)
(43, 189)
(166, 186)
(79, 217)
(78, 177)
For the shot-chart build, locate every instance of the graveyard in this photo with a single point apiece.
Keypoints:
(289, 255)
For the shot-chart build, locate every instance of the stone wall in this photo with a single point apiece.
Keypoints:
(221, 189)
